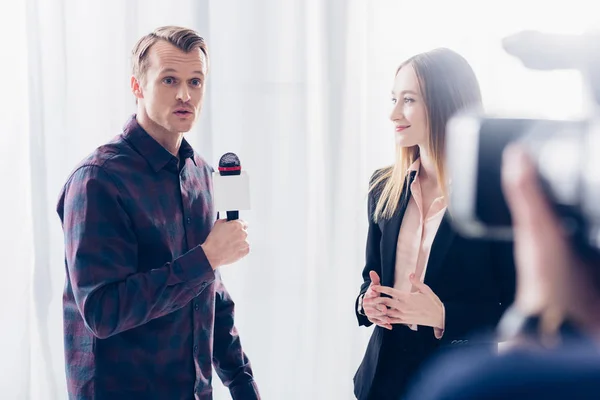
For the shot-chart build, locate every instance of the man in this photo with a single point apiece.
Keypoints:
(145, 311)
(554, 320)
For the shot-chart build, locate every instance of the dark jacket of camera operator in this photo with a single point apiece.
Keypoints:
(425, 287)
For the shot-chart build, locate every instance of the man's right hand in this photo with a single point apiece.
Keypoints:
(226, 243)
(375, 311)
(549, 283)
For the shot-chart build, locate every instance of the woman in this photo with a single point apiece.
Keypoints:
(425, 287)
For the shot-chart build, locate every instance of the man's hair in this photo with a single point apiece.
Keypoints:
(183, 38)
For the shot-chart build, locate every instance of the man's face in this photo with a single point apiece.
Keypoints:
(172, 89)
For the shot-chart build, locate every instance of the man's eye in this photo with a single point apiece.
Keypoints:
(196, 82)
(169, 81)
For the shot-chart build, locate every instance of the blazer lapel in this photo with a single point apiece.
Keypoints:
(390, 230)
(441, 244)
(389, 237)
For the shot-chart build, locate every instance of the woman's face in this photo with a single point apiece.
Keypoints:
(409, 113)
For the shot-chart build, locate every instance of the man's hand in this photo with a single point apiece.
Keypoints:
(422, 307)
(544, 260)
(375, 311)
(226, 243)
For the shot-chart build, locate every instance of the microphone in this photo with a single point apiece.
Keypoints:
(231, 187)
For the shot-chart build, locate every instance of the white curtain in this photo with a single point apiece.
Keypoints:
(299, 90)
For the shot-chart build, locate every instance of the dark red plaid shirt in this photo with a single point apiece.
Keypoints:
(145, 316)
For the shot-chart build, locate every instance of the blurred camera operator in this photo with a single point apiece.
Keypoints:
(554, 323)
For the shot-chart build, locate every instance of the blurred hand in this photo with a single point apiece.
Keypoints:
(543, 256)
(226, 243)
(375, 311)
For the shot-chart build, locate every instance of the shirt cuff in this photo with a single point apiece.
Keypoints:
(245, 391)
(439, 332)
(359, 305)
(193, 268)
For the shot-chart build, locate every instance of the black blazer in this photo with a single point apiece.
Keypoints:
(475, 279)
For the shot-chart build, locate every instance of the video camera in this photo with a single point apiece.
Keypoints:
(566, 152)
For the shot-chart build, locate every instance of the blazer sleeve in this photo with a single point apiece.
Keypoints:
(373, 252)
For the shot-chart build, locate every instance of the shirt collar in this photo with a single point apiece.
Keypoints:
(415, 166)
(413, 171)
(155, 154)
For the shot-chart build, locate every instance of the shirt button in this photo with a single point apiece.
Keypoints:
(196, 306)
(201, 288)
(189, 220)
(195, 349)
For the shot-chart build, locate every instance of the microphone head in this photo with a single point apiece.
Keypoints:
(229, 164)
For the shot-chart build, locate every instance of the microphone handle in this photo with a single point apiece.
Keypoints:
(233, 215)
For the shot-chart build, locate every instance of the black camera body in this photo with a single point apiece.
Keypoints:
(566, 152)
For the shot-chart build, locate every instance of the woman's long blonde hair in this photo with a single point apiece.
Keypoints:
(448, 84)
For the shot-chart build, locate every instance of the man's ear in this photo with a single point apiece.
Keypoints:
(136, 88)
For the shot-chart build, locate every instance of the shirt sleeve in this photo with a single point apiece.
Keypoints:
(230, 361)
(102, 263)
